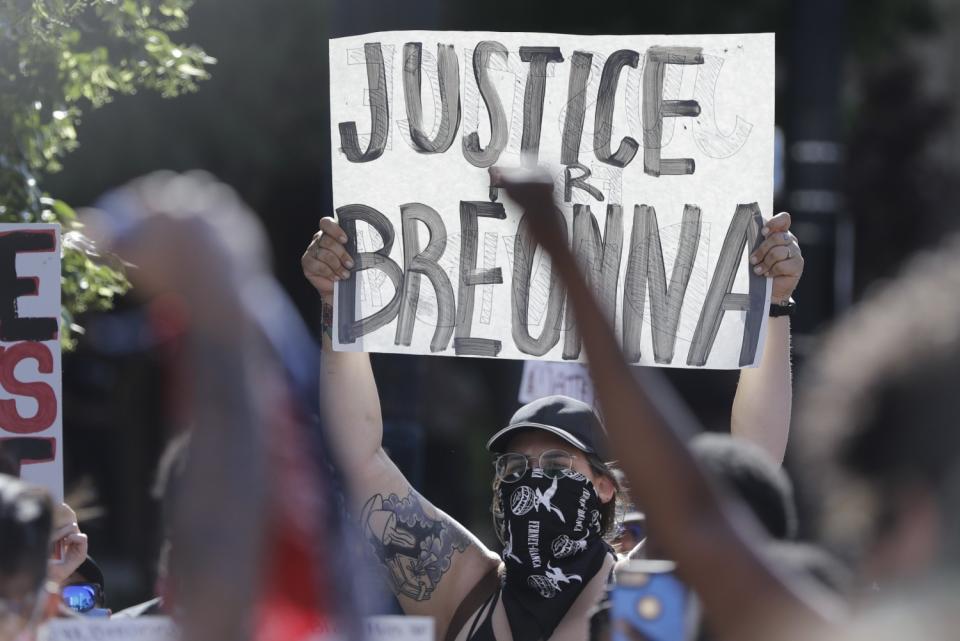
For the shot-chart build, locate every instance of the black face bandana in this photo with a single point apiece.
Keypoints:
(552, 548)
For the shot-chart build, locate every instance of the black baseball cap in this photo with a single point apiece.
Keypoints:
(91, 572)
(572, 420)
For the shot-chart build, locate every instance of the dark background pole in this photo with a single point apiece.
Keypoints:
(814, 158)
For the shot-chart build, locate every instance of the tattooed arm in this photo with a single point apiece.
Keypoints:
(415, 547)
(429, 560)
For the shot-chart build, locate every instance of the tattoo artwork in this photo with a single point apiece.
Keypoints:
(416, 549)
(326, 318)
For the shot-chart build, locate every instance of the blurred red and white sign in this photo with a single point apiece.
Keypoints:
(31, 424)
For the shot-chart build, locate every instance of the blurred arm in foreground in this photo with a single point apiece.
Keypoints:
(220, 524)
(256, 500)
(714, 543)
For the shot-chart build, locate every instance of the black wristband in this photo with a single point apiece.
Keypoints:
(783, 309)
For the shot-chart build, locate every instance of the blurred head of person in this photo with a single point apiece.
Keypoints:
(747, 472)
(879, 426)
(26, 519)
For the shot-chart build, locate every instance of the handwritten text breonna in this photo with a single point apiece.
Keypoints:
(550, 105)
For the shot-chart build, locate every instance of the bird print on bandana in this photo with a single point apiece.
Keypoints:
(508, 547)
(524, 499)
(543, 499)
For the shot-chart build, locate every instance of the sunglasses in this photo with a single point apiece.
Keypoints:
(82, 597)
(511, 467)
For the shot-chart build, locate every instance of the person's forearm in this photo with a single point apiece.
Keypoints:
(227, 472)
(662, 460)
(351, 404)
(762, 405)
(684, 513)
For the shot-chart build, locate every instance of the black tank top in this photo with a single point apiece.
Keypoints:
(482, 627)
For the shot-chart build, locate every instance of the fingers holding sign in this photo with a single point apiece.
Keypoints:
(779, 257)
(326, 260)
(72, 544)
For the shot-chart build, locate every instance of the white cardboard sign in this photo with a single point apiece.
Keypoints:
(662, 152)
(399, 628)
(146, 628)
(387, 627)
(546, 379)
(31, 422)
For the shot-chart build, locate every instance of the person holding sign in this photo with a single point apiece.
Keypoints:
(553, 488)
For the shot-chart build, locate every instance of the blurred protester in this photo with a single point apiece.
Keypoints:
(247, 563)
(694, 527)
(550, 456)
(748, 472)
(743, 468)
(882, 446)
(26, 522)
(882, 405)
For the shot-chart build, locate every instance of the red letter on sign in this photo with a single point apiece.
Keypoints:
(10, 419)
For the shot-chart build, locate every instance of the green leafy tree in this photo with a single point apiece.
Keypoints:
(57, 59)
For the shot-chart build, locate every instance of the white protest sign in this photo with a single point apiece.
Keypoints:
(146, 628)
(31, 424)
(542, 378)
(662, 153)
(399, 628)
